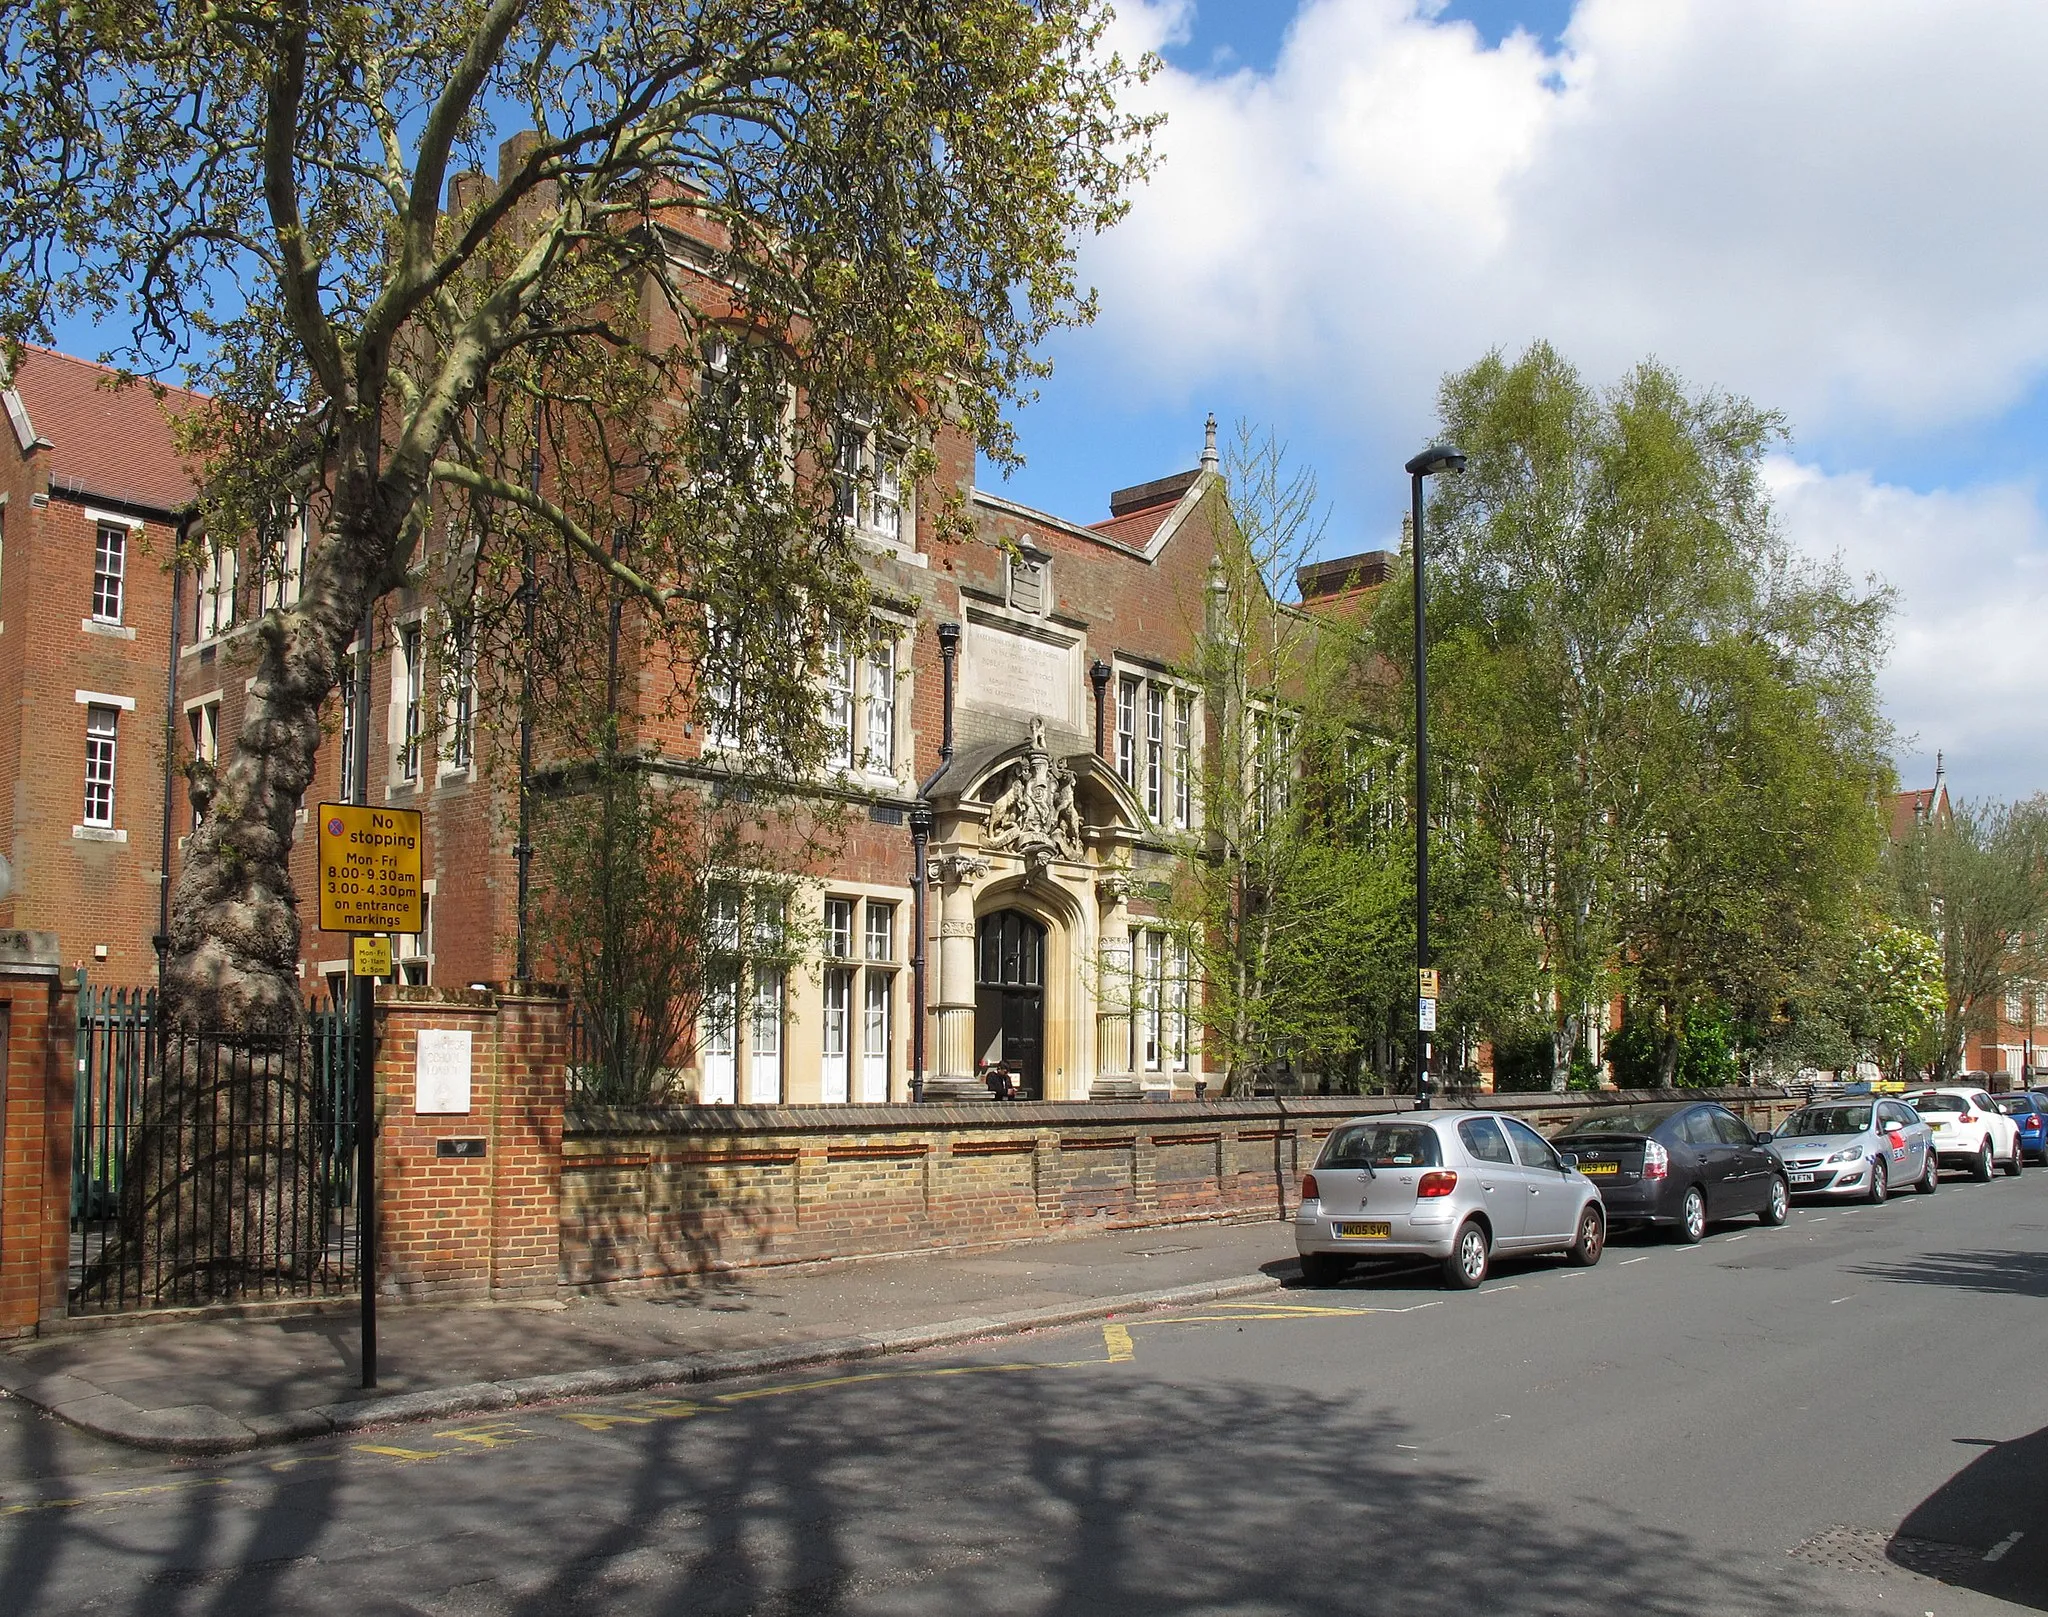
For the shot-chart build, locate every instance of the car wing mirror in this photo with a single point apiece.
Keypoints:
(1763, 1136)
(1567, 1161)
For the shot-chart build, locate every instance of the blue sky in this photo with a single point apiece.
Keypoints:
(1836, 207)
(1839, 210)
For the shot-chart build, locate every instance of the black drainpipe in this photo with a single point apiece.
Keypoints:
(1098, 676)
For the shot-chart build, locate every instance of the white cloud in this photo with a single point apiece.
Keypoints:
(1967, 676)
(1836, 207)
(1839, 207)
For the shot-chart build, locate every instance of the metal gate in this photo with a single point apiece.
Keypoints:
(210, 1167)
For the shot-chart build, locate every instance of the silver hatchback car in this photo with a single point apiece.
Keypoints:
(1455, 1186)
(1862, 1146)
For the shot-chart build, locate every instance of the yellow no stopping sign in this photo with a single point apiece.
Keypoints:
(369, 868)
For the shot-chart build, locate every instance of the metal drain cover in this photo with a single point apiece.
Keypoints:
(1859, 1549)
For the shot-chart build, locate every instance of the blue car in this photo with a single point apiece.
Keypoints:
(2030, 1111)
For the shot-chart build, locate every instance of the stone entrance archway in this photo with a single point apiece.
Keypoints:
(1048, 838)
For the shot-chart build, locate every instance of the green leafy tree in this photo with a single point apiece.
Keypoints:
(1668, 725)
(1290, 910)
(1977, 882)
(1898, 994)
(883, 200)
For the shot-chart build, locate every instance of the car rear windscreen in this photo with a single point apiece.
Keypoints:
(1937, 1103)
(2017, 1105)
(1381, 1145)
(1619, 1120)
(1828, 1120)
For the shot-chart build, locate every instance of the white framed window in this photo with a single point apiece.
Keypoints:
(870, 985)
(727, 726)
(876, 1020)
(102, 725)
(861, 701)
(214, 597)
(1272, 766)
(284, 561)
(836, 1069)
(1183, 760)
(408, 678)
(458, 720)
(839, 715)
(1155, 750)
(718, 1040)
(764, 1041)
(1155, 746)
(740, 1044)
(879, 743)
(109, 570)
(839, 928)
(202, 719)
(867, 473)
(1127, 729)
(2014, 1010)
(346, 685)
(412, 953)
(1159, 1002)
(880, 936)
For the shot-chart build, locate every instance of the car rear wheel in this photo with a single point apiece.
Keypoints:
(1980, 1170)
(1930, 1174)
(1779, 1207)
(1591, 1241)
(1322, 1268)
(2016, 1164)
(1880, 1186)
(1692, 1216)
(1467, 1264)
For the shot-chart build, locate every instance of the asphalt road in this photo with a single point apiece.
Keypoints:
(1832, 1417)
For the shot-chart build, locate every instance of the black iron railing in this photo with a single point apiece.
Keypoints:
(210, 1167)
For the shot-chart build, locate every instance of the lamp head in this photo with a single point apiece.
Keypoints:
(1437, 458)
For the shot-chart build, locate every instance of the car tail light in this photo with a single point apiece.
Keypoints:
(1437, 1182)
(1309, 1193)
(1967, 1117)
(1656, 1160)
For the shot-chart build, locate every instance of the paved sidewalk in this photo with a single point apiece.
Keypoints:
(215, 1386)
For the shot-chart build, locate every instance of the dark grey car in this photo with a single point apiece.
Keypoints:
(1862, 1146)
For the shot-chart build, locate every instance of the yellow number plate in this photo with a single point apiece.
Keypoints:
(1376, 1231)
(1599, 1167)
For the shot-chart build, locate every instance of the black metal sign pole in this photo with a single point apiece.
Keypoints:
(363, 991)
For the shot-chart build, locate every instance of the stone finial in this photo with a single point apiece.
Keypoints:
(1209, 457)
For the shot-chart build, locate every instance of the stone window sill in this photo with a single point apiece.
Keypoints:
(98, 833)
(113, 631)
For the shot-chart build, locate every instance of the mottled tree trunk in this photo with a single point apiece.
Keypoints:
(227, 1184)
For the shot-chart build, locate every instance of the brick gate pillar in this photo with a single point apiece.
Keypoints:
(38, 1051)
(471, 1087)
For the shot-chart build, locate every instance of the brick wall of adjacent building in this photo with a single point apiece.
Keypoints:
(99, 455)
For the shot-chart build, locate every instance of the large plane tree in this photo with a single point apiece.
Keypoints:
(303, 211)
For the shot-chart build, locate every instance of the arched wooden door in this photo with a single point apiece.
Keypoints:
(1009, 998)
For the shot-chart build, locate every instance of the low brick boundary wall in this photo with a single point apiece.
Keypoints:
(653, 1197)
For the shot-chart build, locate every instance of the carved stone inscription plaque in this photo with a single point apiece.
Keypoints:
(1021, 674)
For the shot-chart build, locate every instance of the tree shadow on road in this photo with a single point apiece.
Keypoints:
(929, 1489)
(1991, 1512)
(2011, 1274)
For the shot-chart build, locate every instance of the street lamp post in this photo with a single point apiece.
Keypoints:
(1436, 458)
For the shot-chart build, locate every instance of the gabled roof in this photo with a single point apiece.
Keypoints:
(1905, 810)
(104, 440)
